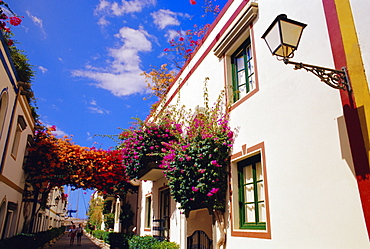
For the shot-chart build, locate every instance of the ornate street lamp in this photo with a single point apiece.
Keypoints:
(283, 36)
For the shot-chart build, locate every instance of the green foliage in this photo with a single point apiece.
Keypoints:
(196, 165)
(149, 242)
(126, 217)
(192, 148)
(166, 245)
(31, 241)
(24, 69)
(107, 206)
(101, 234)
(88, 229)
(119, 240)
(109, 220)
(144, 144)
(142, 242)
(95, 213)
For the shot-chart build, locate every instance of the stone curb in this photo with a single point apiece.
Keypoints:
(98, 242)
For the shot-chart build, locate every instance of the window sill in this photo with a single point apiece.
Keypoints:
(242, 100)
(251, 233)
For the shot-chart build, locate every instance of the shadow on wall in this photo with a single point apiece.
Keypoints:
(344, 144)
(356, 149)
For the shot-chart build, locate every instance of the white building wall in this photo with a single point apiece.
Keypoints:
(361, 18)
(313, 196)
(6, 86)
(12, 179)
(312, 187)
(146, 188)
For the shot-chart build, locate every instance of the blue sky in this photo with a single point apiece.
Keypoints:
(88, 55)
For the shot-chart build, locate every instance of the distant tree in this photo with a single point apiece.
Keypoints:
(96, 206)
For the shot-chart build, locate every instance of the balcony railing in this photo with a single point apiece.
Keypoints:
(161, 229)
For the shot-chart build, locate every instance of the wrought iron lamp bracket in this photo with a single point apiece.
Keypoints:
(337, 79)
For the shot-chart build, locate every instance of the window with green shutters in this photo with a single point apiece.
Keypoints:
(243, 70)
(251, 194)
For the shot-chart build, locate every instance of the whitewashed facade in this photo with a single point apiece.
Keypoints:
(292, 132)
(16, 127)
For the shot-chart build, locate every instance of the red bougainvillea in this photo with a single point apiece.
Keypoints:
(8, 16)
(58, 161)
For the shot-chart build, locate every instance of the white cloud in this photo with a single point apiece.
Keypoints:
(103, 22)
(37, 21)
(89, 137)
(58, 132)
(171, 34)
(163, 18)
(122, 76)
(102, 5)
(42, 69)
(107, 8)
(54, 107)
(94, 108)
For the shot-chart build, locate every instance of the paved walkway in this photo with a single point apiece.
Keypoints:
(63, 243)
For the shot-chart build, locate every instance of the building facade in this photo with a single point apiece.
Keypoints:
(16, 127)
(299, 168)
(19, 209)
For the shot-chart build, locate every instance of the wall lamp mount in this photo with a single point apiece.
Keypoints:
(282, 38)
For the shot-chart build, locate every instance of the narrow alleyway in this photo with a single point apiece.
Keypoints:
(63, 243)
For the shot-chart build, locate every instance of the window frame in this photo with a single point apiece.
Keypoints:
(4, 101)
(148, 212)
(20, 127)
(165, 211)
(246, 152)
(248, 76)
(250, 162)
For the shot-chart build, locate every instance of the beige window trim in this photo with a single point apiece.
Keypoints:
(240, 24)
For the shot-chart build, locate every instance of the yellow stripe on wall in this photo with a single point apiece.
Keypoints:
(355, 68)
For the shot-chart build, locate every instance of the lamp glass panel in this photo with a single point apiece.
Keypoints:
(291, 33)
(284, 51)
(273, 38)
